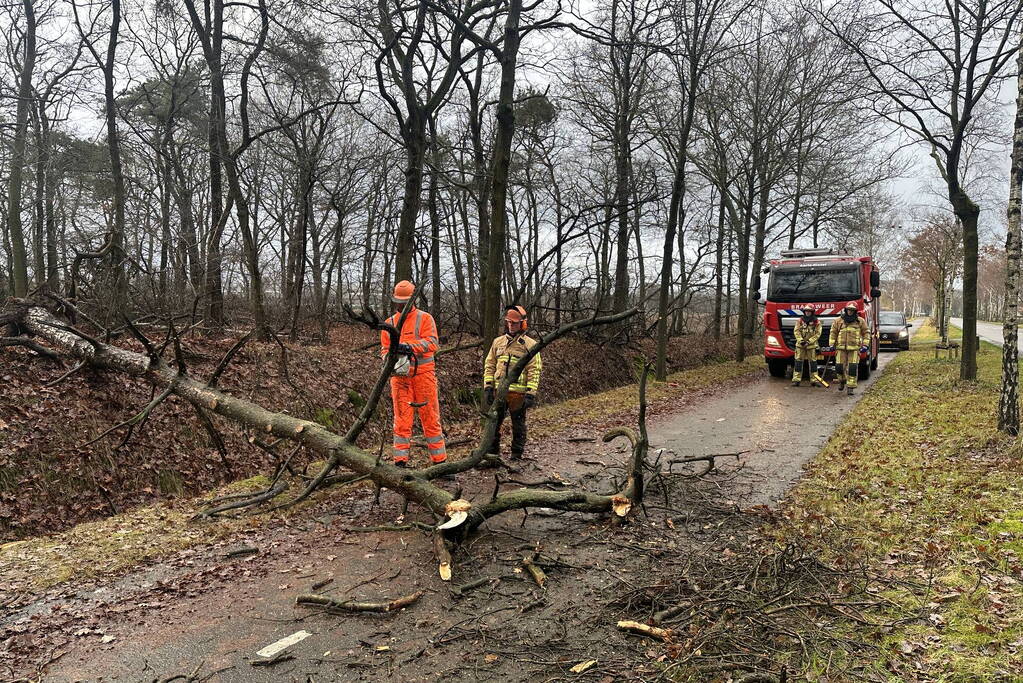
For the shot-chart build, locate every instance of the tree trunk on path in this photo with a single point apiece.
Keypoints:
(1008, 399)
(341, 450)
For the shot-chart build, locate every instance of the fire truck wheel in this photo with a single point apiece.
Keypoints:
(777, 368)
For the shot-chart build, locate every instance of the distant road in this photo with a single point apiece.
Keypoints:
(989, 332)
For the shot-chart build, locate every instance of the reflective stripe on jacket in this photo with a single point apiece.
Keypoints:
(419, 332)
(808, 333)
(504, 353)
(849, 336)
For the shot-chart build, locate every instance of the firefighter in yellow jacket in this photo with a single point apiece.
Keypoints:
(808, 332)
(504, 353)
(849, 337)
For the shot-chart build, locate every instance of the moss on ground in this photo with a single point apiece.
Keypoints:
(918, 484)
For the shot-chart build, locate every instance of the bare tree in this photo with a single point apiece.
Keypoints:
(19, 253)
(934, 255)
(932, 65)
(700, 31)
(419, 51)
(114, 251)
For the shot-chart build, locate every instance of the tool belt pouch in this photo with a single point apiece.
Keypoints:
(402, 367)
(514, 401)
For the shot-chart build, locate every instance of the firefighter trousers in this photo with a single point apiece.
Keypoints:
(518, 420)
(797, 369)
(409, 394)
(848, 362)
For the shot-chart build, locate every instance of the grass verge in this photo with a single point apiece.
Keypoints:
(112, 546)
(919, 487)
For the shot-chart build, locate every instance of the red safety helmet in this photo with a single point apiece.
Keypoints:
(516, 314)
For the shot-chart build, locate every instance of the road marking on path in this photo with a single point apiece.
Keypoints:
(283, 644)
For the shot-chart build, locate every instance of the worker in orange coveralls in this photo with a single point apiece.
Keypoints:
(414, 382)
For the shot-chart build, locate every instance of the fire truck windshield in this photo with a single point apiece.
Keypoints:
(814, 284)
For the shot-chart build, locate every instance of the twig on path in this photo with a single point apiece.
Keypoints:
(322, 601)
(466, 587)
(644, 630)
(535, 571)
(411, 526)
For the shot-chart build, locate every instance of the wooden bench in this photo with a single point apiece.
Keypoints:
(950, 347)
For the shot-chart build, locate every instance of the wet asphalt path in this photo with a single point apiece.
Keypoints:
(778, 427)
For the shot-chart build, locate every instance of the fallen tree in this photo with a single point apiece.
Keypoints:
(456, 518)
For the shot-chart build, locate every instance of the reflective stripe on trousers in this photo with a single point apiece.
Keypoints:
(848, 361)
(420, 388)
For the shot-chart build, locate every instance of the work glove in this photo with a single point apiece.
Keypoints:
(863, 349)
(404, 350)
(528, 401)
(488, 395)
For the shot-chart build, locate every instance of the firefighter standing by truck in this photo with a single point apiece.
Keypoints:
(807, 332)
(414, 380)
(504, 353)
(849, 337)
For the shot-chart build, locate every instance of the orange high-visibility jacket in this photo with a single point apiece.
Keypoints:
(419, 332)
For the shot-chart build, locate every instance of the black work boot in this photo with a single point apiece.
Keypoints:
(849, 391)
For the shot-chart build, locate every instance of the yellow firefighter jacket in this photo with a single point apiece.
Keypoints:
(504, 354)
(808, 333)
(849, 336)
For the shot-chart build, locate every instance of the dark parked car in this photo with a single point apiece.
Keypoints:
(894, 330)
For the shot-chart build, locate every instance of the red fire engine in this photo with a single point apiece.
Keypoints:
(822, 280)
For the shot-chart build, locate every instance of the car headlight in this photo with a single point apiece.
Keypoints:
(903, 333)
(772, 340)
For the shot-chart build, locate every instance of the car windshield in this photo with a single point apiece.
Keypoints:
(891, 318)
(814, 284)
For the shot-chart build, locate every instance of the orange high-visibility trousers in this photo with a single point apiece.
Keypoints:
(420, 388)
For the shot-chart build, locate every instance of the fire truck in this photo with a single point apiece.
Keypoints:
(825, 281)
